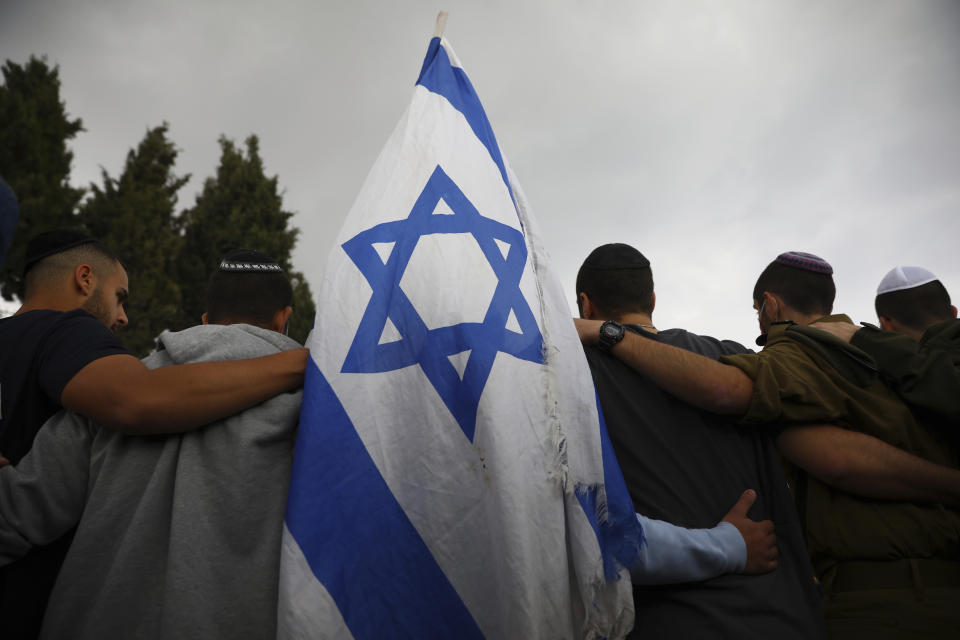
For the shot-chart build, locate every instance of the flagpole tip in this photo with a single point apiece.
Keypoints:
(441, 24)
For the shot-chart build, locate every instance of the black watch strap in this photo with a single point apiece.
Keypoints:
(610, 334)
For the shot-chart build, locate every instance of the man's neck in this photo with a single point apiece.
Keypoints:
(808, 319)
(642, 319)
(50, 303)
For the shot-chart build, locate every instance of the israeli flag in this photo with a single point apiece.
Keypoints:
(452, 478)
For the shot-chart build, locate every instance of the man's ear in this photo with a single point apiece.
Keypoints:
(887, 324)
(586, 307)
(84, 279)
(280, 318)
(954, 311)
(653, 301)
(772, 306)
(203, 318)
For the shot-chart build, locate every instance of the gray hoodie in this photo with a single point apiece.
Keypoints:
(178, 536)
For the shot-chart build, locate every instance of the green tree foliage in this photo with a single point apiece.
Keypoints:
(34, 158)
(134, 216)
(239, 208)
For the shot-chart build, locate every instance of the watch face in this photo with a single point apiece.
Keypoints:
(610, 334)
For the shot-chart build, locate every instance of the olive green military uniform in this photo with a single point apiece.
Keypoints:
(925, 374)
(889, 569)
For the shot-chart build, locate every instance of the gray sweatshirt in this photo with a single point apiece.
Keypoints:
(178, 536)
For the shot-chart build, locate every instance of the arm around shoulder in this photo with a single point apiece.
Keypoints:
(863, 465)
(120, 392)
(691, 377)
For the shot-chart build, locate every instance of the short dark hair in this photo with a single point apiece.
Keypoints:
(806, 291)
(916, 308)
(44, 270)
(248, 287)
(618, 280)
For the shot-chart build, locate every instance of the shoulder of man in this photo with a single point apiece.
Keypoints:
(212, 342)
(848, 360)
(702, 344)
(945, 335)
(64, 342)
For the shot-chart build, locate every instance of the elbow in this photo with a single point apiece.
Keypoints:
(830, 466)
(833, 469)
(129, 414)
(728, 398)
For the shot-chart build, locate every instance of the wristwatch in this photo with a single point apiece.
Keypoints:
(610, 334)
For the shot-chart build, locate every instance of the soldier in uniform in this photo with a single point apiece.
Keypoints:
(917, 346)
(885, 548)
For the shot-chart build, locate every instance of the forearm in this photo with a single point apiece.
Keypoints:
(673, 554)
(695, 379)
(128, 397)
(863, 465)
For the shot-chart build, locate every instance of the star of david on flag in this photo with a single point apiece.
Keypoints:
(504, 249)
(451, 478)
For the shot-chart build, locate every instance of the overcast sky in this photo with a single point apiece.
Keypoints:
(710, 135)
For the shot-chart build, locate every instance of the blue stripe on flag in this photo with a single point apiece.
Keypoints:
(355, 536)
(620, 534)
(441, 77)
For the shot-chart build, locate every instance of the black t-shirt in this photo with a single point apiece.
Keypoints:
(40, 352)
(689, 467)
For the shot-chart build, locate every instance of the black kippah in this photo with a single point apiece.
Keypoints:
(615, 256)
(248, 261)
(51, 242)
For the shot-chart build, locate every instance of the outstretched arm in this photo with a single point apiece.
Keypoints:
(695, 379)
(120, 392)
(861, 464)
(737, 544)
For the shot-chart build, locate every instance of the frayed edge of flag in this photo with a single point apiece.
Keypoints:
(620, 535)
(599, 624)
(559, 471)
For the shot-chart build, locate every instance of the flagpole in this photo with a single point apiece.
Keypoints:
(441, 24)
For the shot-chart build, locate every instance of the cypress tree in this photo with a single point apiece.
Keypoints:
(134, 216)
(34, 159)
(239, 208)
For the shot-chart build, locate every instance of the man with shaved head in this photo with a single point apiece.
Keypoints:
(60, 351)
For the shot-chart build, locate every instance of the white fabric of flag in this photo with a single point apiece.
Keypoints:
(452, 476)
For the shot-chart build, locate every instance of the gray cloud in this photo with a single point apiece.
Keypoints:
(712, 136)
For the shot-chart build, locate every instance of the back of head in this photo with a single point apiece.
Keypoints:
(804, 281)
(249, 287)
(914, 298)
(617, 279)
(53, 255)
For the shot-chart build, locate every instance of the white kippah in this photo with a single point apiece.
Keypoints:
(900, 278)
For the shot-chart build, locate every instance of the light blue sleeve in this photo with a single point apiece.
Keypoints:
(671, 554)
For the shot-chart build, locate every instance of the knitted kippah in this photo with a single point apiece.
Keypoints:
(615, 256)
(805, 261)
(51, 242)
(248, 261)
(900, 278)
